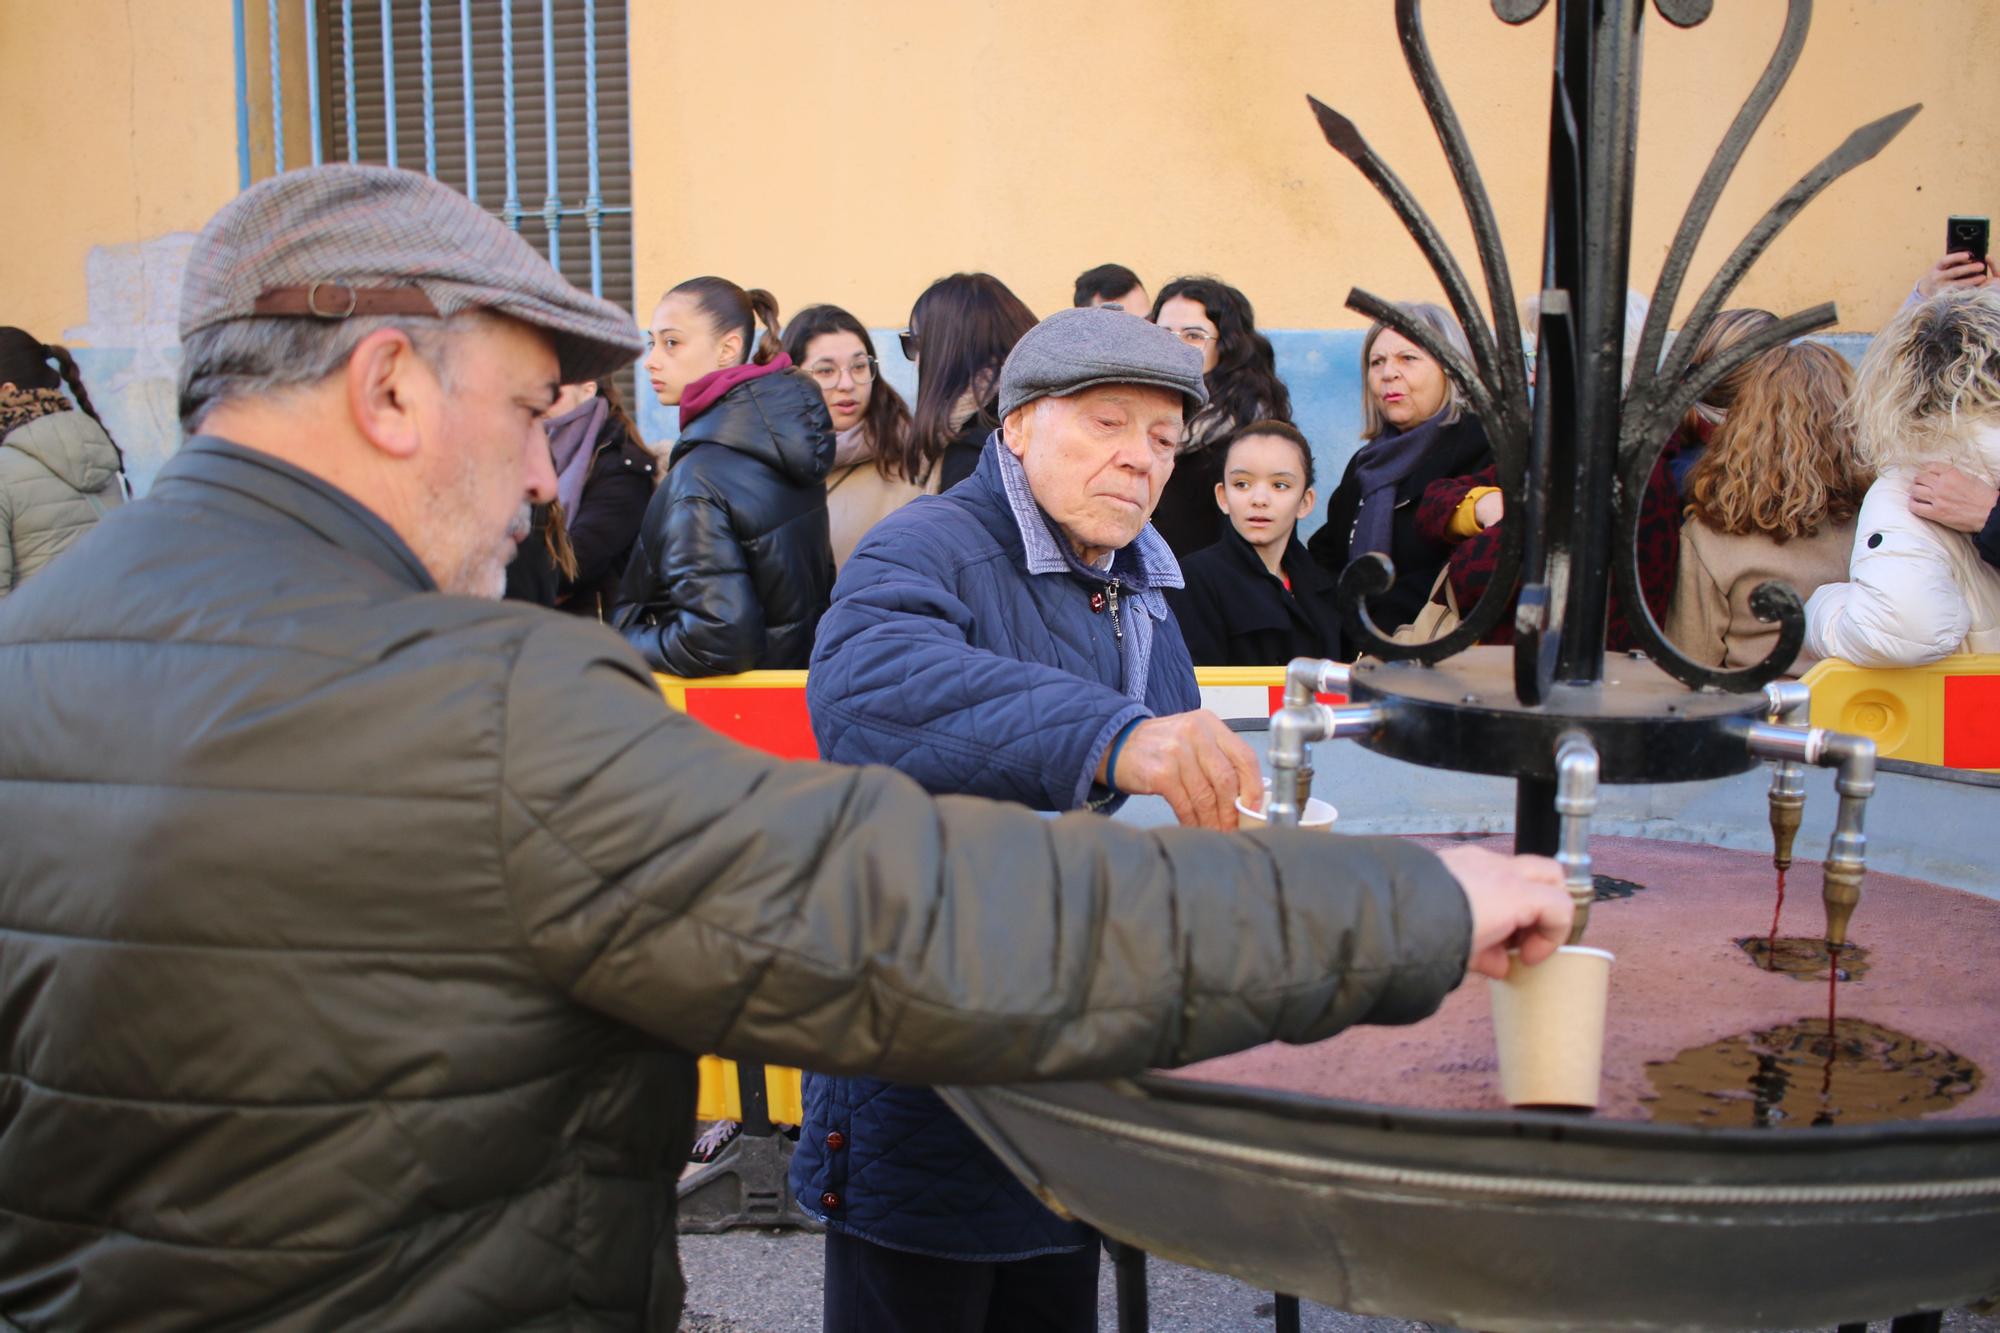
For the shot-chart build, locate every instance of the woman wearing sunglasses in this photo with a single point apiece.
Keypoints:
(1243, 386)
(961, 329)
(875, 469)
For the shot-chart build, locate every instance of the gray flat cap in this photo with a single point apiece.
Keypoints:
(339, 240)
(1078, 349)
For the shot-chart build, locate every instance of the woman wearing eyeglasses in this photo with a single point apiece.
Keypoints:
(875, 469)
(733, 569)
(1243, 386)
(961, 330)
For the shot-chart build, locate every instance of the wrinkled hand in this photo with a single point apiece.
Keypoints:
(1946, 495)
(1195, 762)
(1489, 509)
(1957, 269)
(1518, 902)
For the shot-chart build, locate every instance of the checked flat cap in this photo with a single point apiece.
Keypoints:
(1081, 348)
(332, 241)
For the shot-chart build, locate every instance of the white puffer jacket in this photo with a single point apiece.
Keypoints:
(1916, 591)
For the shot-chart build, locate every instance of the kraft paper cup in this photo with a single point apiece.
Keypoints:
(1318, 814)
(1548, 1022)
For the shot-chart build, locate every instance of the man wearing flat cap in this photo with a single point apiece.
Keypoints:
(1011, 639)
(358, 931)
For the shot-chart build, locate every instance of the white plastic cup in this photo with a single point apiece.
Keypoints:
(1548, 1024)
(1318, 814)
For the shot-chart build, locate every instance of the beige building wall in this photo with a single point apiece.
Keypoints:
(854, 153)
(119, 128)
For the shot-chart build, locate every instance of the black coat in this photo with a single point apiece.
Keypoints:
(1235, 612)
(532, 575)
(961, 457)
(733, 566)
(1186, 514)
(605, 526)
(1458, 449)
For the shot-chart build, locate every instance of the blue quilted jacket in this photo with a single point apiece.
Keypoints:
(969, 648)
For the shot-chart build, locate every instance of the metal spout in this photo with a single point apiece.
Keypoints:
(1306, 677)
(1576, 801)
(1788, 702)
(1294, 729)
(1847, 854)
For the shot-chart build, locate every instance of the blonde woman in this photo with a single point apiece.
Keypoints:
(1928, 396)
(1774, 497)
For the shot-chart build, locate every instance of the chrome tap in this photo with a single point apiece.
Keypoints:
(1306, 677)
(1294, 729)
(1576, 801)
(1847, 854)
(1790, 704)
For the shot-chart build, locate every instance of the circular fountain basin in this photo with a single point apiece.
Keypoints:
(1379, 1172)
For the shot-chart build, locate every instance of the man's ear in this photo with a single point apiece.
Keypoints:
(1016, 429)
(385, 380)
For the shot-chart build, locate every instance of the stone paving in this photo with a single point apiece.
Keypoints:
(768, 1282)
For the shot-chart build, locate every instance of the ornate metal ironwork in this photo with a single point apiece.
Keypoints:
(1574, 459)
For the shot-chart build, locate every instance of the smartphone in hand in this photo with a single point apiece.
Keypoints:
(1966, 235)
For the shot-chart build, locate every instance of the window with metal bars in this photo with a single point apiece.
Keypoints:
(522, 104)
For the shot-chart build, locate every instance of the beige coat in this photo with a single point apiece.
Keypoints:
(1711, 619)
(858, 497)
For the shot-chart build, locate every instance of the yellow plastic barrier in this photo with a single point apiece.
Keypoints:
(767, 709)
(1946, 713)
(719, 1097)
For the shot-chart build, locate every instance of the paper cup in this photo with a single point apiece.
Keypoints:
(1318, 814)
(1548, 1022)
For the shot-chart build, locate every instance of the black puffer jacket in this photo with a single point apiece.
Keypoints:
(734, 565)
(353, 968)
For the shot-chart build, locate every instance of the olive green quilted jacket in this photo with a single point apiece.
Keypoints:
(356, 941)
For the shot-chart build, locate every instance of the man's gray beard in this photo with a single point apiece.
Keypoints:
(484, 573)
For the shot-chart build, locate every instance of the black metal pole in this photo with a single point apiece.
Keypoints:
(1537, 829)
(1285, 1313)
(1128, 1269)
(1598, 84)
(750, 1091)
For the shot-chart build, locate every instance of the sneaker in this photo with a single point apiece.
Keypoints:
(713, 1140)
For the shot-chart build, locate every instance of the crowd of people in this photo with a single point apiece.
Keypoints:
(1002, 591)
(721, 557)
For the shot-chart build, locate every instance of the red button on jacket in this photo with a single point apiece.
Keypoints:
(836, 1141)
(829, 1200)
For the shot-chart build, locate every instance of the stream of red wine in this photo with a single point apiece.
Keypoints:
(1771, 948)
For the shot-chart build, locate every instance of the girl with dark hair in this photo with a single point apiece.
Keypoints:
(1243, 386)
(732, 568)
(1256, 598)
(961, 330)
(59, 469)
(875, 469)
(581, 542)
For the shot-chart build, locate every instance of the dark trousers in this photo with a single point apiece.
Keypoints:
(873, 1289)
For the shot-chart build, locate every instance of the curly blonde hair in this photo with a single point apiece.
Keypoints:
(1784, 462)
(1928, 380)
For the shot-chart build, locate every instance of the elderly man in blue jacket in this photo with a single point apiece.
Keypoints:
(1008, 639)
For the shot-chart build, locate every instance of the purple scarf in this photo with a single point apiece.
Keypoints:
(572, 441)
(1378, 469)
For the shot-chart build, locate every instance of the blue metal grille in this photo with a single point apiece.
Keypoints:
(480, 73)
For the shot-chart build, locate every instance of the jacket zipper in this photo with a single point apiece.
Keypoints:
(1111, 598)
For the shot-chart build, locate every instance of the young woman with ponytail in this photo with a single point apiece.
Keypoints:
(59, 469)
(733, 565)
